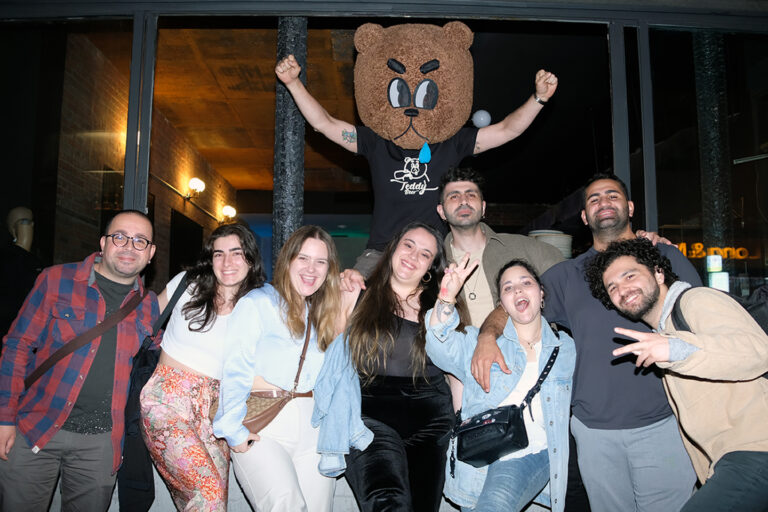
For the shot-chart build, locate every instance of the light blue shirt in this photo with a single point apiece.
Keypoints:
(261, 346)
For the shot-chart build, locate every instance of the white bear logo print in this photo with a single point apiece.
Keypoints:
(411, 178)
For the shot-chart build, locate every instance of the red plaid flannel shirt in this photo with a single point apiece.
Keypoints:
(65, 302)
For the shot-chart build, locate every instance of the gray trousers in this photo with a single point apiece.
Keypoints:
(643, 469)
(27, 480)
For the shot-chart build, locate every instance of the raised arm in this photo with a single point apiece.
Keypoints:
(341, 132)
(518, 121)
(487, 351)
(348, 302)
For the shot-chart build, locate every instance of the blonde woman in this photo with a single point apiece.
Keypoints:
(278, 467)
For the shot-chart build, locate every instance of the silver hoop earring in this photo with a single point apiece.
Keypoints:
(427, 275)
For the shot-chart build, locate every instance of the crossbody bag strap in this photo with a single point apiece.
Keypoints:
(86, 337)
(177, 293)
(303, 355)
(535, 389)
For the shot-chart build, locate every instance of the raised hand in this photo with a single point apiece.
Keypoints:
(546, 84)
(287, 70)
(455, 275)
(650, 348)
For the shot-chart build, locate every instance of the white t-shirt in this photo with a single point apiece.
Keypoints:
(202, 351)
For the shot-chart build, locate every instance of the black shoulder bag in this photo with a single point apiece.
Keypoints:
(486, 437)
(135, 478)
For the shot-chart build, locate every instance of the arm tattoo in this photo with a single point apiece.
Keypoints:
(349, 137)
(444, 311)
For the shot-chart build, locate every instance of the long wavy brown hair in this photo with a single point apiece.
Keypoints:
(200, 311)
(372, 328)
(324, 304)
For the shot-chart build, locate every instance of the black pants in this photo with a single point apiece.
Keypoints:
(576, 494)
(403, 469)
(740, 482)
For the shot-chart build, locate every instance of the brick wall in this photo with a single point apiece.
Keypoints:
(175, 161)
(94, 117)
(94, 112)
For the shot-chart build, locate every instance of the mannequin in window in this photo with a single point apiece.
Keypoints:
(19, 267)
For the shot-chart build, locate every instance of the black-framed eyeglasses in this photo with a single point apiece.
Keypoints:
(121, 240)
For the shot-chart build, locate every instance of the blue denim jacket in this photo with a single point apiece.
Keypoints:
(337, 410)
(452, 352)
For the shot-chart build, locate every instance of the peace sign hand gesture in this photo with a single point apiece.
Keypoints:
(455, 276)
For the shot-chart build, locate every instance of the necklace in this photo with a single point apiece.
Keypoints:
(472, 295)
(531, 344)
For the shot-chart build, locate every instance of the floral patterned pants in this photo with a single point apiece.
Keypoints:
(179, 435)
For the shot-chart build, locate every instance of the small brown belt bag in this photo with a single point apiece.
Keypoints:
(263, 406)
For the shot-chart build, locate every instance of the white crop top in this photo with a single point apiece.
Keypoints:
(202, 351)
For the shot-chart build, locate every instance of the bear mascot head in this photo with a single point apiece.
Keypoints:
(413, 82)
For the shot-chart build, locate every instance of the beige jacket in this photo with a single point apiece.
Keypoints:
(717, 393)
(502, 247)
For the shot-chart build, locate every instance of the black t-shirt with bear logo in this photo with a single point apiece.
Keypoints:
(405, 189)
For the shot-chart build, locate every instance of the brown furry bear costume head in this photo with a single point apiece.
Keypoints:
(413, 83)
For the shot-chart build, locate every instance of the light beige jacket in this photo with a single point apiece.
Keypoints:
(717, 393)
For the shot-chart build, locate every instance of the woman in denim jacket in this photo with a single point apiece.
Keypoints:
(518, 478)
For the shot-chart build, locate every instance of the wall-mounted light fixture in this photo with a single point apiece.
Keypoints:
(228, 212)
(196, 185)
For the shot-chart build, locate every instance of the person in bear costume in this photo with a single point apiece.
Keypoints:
(413, 89)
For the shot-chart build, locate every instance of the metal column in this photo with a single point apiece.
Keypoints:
(288, 191)
(140, 96)
(619, 109)
(714, 150)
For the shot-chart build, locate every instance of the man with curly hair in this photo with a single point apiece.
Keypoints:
(630, 452)
(713, 372)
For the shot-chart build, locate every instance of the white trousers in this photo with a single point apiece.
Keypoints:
(279, 472)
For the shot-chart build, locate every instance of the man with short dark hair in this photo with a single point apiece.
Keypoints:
(630, 452)
(463, 208)
(71, 420)
(713, 374)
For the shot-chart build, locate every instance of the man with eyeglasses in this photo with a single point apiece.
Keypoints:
(70, 421)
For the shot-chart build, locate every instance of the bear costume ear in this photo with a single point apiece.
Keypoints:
(455, 31)
(368, 34)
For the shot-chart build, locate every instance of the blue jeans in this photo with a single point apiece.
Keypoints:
(512, 484)
(740, 482)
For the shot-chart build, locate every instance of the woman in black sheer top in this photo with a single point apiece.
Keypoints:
(406, 401)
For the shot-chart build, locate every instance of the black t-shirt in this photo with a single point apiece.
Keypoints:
(608, 392)
(404, 189)
(92, 412)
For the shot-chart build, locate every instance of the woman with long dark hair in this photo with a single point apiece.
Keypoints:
(406, 401)
(175, 401)
(278, 468)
